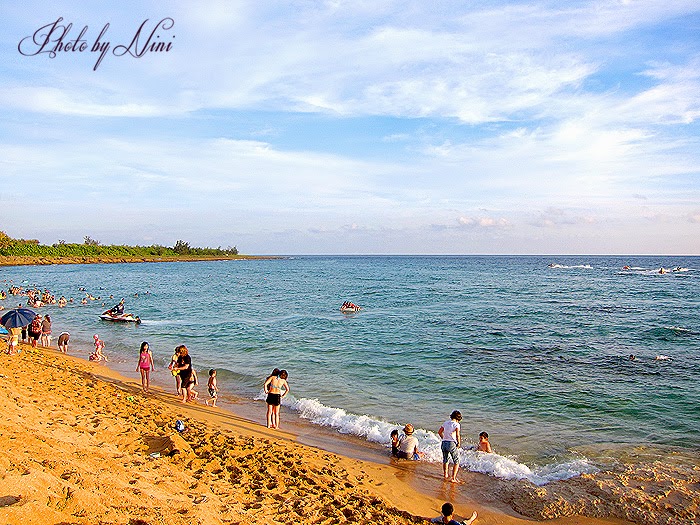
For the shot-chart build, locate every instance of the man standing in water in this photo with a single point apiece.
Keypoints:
(451, 440)
(273, 388)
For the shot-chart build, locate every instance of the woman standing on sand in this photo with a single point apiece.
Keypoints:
(46, 331)
(184, 366)
(145, 366)
(273, 388)
(35, 330)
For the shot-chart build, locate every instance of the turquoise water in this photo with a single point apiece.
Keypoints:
(537, 356)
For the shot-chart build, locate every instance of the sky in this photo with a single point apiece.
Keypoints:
(354, 127)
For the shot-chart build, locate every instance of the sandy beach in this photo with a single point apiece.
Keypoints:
(80, 444)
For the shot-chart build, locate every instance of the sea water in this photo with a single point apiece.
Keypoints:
(534, 350)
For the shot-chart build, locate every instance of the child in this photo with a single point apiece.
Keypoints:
(12, 340)
(176, 373)
(97, 355)
(145, 366)
(446, 518)
(213, 388)
(192, 393)
(484, 445)
(394, 436)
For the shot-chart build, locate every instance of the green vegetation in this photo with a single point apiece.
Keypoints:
(91, 248)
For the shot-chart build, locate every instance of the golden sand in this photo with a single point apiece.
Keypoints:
(80, 444)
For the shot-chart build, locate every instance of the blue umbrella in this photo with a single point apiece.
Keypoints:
(17, 317)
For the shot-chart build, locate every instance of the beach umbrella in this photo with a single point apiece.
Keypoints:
(17, 317)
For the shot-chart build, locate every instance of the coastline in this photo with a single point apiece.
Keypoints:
(77, 443)
(45, 261)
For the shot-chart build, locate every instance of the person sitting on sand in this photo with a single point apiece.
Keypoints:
(212, 388)
(484, 445)
(408, 444)
(446, 518)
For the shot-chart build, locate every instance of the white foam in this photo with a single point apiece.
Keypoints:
(565, 267)
(429, 443)
(678, 329)
(662, 358)
(162, 322)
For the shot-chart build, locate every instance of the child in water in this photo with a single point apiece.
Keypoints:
(394, 436)
(213, 388)
(484, 445)
(97, 355)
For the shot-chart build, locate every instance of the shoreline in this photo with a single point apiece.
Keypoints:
(108, 412)
(47, 261)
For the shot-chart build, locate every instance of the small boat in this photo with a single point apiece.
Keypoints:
(122, 318)
(349, 308)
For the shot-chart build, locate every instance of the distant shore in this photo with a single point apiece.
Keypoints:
(44, 261)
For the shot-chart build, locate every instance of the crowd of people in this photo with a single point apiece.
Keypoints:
(275, 387)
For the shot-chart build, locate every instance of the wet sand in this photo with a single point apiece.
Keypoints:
(81, 444)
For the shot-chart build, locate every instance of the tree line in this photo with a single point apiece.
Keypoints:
(10, 247)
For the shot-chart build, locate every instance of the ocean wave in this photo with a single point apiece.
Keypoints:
(573, 266)
(669, 333)
(377, 431)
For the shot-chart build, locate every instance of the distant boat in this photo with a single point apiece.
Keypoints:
(349, 308)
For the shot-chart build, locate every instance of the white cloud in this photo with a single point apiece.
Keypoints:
(483, 222)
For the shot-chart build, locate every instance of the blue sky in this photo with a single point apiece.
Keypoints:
(536, 127)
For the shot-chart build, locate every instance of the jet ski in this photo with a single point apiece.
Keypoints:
(120, 318)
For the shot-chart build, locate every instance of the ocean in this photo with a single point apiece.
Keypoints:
(534, 350)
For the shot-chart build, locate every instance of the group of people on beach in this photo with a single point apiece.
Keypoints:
(38, 332)
(186, 378)
(406, 446)
(275, 388)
